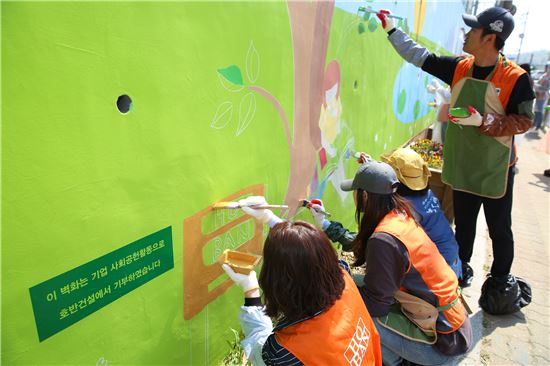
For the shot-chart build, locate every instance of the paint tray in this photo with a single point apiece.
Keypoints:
(239, 261)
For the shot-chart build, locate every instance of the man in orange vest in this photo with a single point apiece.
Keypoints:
(479, 149)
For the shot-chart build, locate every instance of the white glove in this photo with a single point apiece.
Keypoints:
(247, 282)
(316, 208)
(433, 86)
(475, 119)
(443, 96)
(264, 215)
(387, 22)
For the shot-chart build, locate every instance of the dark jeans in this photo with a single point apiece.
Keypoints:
(537, 122)
(498, 215)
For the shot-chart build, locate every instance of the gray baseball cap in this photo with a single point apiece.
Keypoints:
(496, 19)
(374, 177)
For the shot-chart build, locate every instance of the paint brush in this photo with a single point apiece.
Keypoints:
(358, 154)
(308, 204)
(235, 205)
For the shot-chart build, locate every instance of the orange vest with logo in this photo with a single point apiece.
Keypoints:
(504, 76)
(342, 335)
(428, 277)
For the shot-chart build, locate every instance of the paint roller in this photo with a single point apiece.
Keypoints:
(370, 10)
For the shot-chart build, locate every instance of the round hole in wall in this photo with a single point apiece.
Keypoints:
(124, 103)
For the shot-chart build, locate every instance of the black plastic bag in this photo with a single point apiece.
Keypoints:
(504, 296)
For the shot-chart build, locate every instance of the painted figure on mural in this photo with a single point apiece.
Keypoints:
(336, 137)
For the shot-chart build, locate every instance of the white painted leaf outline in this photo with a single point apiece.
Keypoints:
(223, 110)
(252, 63)
(247, 110)
(229, 85)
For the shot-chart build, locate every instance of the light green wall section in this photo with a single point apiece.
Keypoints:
(80, 179)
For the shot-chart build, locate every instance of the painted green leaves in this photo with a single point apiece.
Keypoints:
(232, 74)
(231, 79)
(401, 100)
(367, 21)
(372, 24)
(416, 109)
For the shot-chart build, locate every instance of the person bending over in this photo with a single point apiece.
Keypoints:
(320, 316)
(402, 264)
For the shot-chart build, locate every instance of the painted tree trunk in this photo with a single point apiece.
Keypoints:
(310, 24)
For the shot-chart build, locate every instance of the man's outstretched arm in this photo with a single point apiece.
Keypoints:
(442, 67)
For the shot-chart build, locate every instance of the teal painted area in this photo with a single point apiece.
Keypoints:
(232, 74)
(81, 179)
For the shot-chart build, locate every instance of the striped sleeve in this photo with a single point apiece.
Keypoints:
(275, 354)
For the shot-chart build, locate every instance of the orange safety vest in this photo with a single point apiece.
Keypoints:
(342, 335)
(428, 276)
(504, 77)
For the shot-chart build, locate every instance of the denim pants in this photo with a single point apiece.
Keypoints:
(539, 112)
(537, 122)
(395, 348)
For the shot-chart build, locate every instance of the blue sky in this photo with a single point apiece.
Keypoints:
(532, 18)
(537, 13)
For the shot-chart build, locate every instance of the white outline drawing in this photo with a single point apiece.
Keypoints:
(252, 63)
(218, 116)
(227, 85)
(245, 117)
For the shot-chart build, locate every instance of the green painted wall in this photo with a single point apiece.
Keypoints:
(81, 180)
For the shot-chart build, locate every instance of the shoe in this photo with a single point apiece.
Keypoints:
(467, 276)
(547, 173)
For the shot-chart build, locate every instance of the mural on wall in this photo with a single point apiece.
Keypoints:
(199, 278)
(124, 122)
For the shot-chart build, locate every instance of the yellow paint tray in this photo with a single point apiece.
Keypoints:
(239, 261)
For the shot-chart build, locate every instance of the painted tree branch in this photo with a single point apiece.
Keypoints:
(278, 107)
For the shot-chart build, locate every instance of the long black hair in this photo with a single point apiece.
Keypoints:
(369, 214)
(405, 191)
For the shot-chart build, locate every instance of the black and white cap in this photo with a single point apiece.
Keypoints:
(496, 19)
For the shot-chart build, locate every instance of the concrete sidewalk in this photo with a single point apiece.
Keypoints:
(522, 338)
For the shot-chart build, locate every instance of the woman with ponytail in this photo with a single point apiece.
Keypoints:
(408, 288)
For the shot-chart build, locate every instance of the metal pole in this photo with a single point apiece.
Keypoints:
(522, 35)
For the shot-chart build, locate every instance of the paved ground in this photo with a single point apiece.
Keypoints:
(522, 338)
